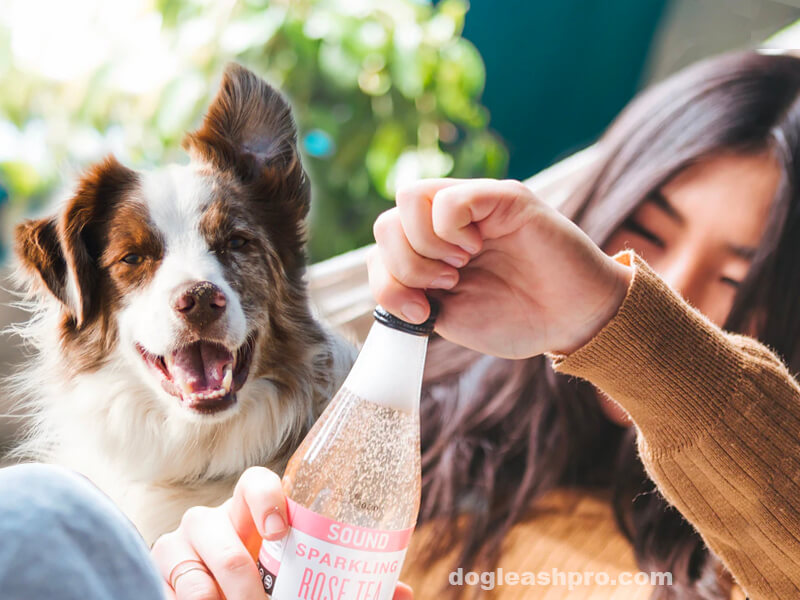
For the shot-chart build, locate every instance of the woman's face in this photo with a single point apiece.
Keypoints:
(700, 231)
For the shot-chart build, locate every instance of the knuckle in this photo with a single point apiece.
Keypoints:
(442, 195)
(403, 194)
(519, 189)
(443, 206)
(383, 225)
(408, 192)
(194, 516)
(440, 227)
(162, 543)
(235, 561)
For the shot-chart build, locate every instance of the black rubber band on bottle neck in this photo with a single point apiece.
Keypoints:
(425, 328)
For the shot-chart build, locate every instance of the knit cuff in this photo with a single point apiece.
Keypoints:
(661, 360)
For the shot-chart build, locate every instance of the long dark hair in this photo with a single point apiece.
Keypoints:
(497, 434)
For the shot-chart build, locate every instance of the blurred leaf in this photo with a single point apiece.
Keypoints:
(382, 91)
(21, 179)
(386, 147)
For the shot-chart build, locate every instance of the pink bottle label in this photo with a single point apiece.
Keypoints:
(323, 559)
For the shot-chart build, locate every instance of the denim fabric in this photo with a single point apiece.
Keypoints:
(63, 539)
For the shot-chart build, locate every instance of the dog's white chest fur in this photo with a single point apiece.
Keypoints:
(154, 464)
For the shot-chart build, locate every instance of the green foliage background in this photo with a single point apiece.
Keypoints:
(383, 91)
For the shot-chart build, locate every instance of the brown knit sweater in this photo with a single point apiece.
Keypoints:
(718, 417)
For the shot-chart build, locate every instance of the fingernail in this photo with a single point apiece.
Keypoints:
(274, 525)
(414, 312)
(446, 281)
(455, 261)
(469, 249)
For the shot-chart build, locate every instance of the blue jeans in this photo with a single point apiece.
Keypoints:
(62, 539)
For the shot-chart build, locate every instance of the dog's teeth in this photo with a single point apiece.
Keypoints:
(207, 395)
(227, 380)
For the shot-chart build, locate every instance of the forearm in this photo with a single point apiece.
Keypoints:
(719, 419)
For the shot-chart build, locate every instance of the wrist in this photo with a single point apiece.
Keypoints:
(617, 280)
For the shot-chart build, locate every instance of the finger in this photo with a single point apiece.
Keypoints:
(257, 509)
(169, 551)
(468, 213)
(405, 265)
(429, 186)
(212, 535)
(414, 208)
(169, 593)
(403, 592)
(407, 303)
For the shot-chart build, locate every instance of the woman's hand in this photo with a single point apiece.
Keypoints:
(215, 549)
(515, 278)
(225, 540)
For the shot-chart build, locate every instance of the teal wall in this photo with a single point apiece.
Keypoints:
(558, 71)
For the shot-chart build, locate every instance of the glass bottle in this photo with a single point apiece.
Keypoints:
(353, 485)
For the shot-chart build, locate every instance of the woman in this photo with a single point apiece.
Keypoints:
(714, 148)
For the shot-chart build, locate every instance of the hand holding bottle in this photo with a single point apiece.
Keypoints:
(211, 555)
(515, 277)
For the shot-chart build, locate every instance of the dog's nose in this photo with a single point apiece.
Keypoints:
(200, 303)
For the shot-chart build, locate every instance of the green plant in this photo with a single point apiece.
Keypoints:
(382, 90)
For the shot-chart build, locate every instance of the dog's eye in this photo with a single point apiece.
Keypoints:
(133, 259)
(236, 242)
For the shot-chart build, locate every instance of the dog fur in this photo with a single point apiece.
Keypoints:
(102, 275)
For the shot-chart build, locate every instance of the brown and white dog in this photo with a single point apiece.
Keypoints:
(174, 342)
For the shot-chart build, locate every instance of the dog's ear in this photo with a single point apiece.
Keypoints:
(60, 253)
(40, 258)
(248, 129)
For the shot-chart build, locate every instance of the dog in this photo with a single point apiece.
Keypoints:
(173, 341)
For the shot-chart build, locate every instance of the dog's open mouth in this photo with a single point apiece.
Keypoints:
(203, 375)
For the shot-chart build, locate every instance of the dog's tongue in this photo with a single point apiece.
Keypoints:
(199, 367)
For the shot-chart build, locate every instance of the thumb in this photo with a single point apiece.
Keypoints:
(403, 592)
(257, 509)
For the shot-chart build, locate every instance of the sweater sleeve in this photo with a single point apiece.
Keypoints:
(718, 419)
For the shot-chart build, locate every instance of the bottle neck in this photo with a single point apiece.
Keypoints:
(388, 370)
